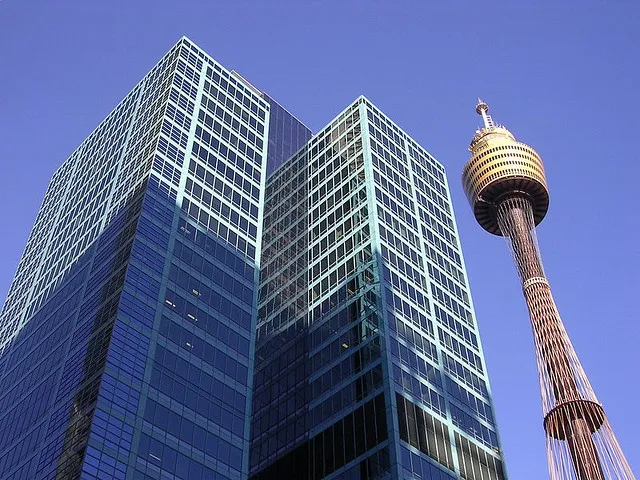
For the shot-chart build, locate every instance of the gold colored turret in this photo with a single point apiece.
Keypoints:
(502, 167)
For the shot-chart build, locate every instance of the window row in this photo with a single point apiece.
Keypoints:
(457, 308)
(199, 401)
(361, 387)
(229, 361)
(232, 121)
(405, 268)
(411, 384)
(219, 228)
(455, 326)
(414, 293)
(212, 249)
(387, 171)
(473, 427)
(219, 303)
(413, 338)
(424, 432)
(465, 397)
(415, 362)
(460, 350)
(182, 466)
(225, 211)
(340, 344)
(459, 371)
(386, 127)
(403, 214)
(222, 158)
(443, 280)
(345, 369)
(400, 246)
(377, 140)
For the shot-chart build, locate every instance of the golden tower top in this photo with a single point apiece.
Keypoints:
(501, 167)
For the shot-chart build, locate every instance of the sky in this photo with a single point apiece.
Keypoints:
(562, 76)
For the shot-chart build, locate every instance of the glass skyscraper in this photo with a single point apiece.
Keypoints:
(201, 257)
(368, 361)
(128, 333)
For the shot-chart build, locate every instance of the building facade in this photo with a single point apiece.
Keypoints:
(127, 334)
(128, 338)
(368, 361)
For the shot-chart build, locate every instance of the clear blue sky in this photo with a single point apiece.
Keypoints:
(563, 76)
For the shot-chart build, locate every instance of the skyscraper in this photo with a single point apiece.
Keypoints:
(127, 339)
(506, 185)
(127, 335)
(368, 361)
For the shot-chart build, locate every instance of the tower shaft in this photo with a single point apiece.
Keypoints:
(515, 218)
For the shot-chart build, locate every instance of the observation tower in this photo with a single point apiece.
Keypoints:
(506, 186)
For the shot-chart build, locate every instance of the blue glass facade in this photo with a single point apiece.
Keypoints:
(52, 367)
(127, 336)
(286, 135)
(177, 315)
(368, 362)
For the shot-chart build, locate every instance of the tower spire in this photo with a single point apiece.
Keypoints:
(483, 110)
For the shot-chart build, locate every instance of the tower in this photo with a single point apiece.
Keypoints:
(506, 186)
(128, 336)
(126, 341)
(368, 362)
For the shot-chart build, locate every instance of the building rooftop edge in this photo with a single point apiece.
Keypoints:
(362, 96)
(287, 110)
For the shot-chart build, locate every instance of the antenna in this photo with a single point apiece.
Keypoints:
(483, 109)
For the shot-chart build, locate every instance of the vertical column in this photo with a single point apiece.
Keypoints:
(557, 378)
